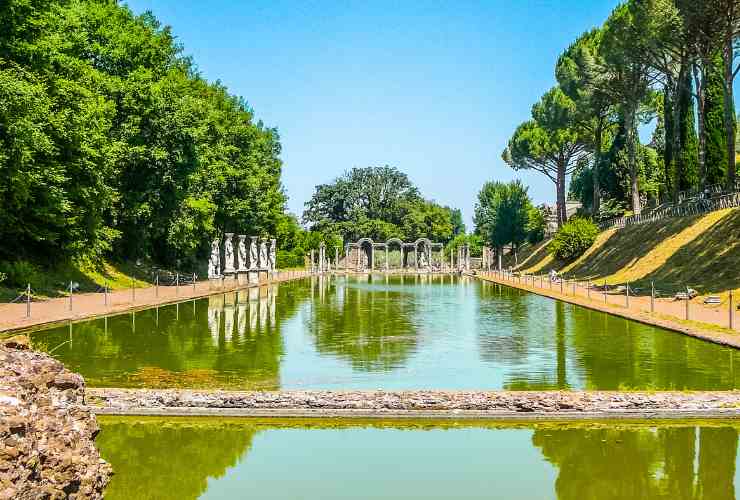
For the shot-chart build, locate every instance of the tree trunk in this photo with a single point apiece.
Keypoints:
(669, 124)
(632, 159)
(595, 173)
(729, 110)
(700, 82)
(560, 186)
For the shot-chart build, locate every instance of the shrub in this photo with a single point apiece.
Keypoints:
(21, 272)
(290, 260)
(573, 239)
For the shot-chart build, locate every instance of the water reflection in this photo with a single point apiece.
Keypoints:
(230, 340)
(389, 332)
(610, 463)
(212, 458)
(372, 326)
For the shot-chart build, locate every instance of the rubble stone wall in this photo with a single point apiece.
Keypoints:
(46, 433)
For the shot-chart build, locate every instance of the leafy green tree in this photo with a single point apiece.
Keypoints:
(550, 143)
(372, 192)
(578, 74)
(112, 144)
(629, 82)
(474, 241)
(425, 219)
(502, 214)
(536, 225)
(379, 203)
(456, 219)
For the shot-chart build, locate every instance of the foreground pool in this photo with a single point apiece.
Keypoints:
(413, 332)
(211, 458)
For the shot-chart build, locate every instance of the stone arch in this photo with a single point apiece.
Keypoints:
(367, 246)
(393, 243)
(426, 249)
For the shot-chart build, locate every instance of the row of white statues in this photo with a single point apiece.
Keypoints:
(262, 256)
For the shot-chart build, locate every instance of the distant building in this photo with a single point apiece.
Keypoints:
(551, 217)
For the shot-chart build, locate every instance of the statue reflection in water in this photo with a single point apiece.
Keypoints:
(250, 311)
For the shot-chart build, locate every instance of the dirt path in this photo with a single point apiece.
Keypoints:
(13, 317)
(705, 322)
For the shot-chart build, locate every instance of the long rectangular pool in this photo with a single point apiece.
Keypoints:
(380, 332)
(219, 459)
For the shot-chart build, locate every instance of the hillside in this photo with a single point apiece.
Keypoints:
(702, 252)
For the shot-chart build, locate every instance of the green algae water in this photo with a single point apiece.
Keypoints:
(220, 459)
(378, 332)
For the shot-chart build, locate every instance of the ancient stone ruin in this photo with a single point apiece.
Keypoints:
(46, 434)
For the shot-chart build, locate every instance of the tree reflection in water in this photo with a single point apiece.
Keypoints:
(370, 324)
(161, 459)
(649, 463)
(229, 341)
(181, 458)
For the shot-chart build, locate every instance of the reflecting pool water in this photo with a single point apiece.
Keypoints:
(429, 332)
(207, 458)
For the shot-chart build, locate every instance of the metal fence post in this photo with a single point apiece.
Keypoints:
(687, 303)
(105, 292)
(70, 295)
(193, 283)
(177, 284)
(732, 313)
(652, 296)
(628, 295)
(28, 302)
(575, 284)
(133, 291)
(156, 285)
(605, 299)
(561, 285)
(588, 289)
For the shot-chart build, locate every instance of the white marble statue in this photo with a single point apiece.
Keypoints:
(229, 254)
(242, 253)
(273, 254)
(253, 254)
(423, 259)
(214, 265)
(263, 255)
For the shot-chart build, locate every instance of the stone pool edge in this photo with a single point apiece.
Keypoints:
(720, 338)
(471, 405)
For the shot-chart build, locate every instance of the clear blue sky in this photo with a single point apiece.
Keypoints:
(433, 88)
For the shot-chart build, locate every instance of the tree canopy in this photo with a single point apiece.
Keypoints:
(673, 61)
(379, 203)
(112, 143)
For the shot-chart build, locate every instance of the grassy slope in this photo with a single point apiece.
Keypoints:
(55, 282)
(702, 252)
